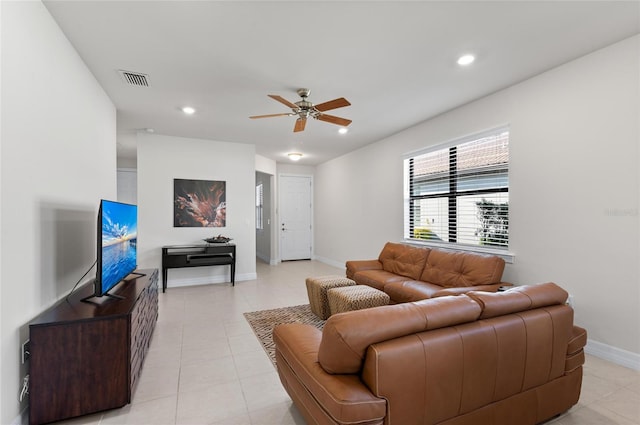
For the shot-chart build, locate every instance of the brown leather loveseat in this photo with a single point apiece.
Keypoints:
(410, 273)
(481, 358)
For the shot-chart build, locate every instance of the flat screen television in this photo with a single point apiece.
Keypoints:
(116, 244)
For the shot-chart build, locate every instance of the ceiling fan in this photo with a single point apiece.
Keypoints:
(304, 109)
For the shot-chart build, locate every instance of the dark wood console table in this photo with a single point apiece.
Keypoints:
(178, 256)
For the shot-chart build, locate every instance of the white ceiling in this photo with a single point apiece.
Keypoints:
(394, 61)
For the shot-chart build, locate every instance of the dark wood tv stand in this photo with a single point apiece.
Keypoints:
(86, 357)
(216, 254)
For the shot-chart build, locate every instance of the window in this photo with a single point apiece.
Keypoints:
(259, 207)
(459, 193)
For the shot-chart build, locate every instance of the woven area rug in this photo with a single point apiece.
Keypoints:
(263, 322)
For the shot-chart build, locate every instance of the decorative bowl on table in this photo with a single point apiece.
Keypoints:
(218, 239)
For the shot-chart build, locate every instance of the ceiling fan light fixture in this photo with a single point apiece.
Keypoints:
(343, 130)
(465, 60)
(294, 156)
(188, 110)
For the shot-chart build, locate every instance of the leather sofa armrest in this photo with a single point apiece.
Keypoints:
(343, 397)
(355, 266)
(465, 289)
(578, 340)
(575, 349)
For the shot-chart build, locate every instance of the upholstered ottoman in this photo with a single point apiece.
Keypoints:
(317, 291)
(355, 297)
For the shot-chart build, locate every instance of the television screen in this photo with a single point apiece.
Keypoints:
(117, 238)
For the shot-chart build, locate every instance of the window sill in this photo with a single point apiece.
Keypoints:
(507, 256)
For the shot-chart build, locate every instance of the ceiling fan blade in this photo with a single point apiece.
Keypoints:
(300, 123)
(334, 120)
(268, 116)
(283, 101)
(332, 104)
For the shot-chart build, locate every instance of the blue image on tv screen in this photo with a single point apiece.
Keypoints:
(119, 239)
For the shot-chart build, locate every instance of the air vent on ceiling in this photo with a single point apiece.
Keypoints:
(134, 78)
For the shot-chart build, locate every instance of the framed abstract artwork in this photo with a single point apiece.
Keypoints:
(199, 203)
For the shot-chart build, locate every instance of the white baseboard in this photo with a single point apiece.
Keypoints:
(612, 354)
(329, 261)
(207, 280)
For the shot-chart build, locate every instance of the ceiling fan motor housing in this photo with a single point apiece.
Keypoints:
(303, 104)
(305, 108)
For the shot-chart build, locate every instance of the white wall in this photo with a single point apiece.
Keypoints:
(129, 163)
(574, 188)
(358, 203)
(127, 185)
(298, 169)
(266, 165)
(161, 159)
(57, 159)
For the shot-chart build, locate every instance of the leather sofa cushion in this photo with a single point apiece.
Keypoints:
(456, 269)
(377, 278)
(346, 336)
(403, 260)
(519, 298)
(410, 290)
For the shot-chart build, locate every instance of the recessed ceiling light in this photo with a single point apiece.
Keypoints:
(294, 156)
(466, 60)
(188, 110)
(343, 130)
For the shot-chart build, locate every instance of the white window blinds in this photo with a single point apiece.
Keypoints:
(259, 207)
(459, 194)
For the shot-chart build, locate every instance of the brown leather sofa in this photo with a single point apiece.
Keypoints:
(480, 358)
(410, 273)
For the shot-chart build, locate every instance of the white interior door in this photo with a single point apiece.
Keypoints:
(295, 217)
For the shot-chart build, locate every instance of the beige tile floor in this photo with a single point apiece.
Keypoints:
(205, 366)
